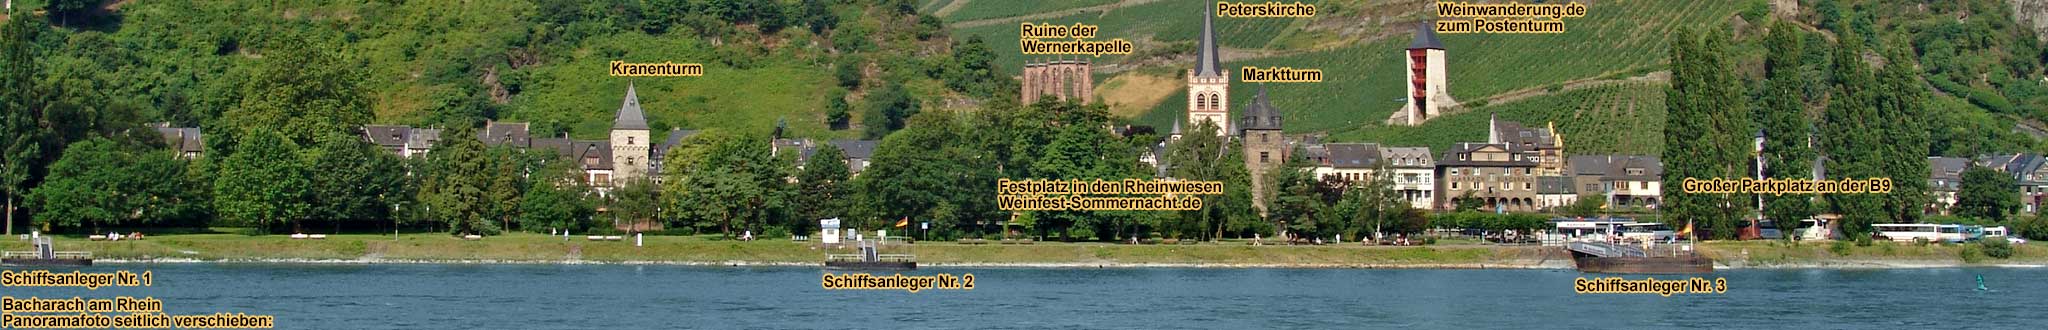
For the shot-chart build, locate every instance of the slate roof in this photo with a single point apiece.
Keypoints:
(1416, 157)
(1259, 114)
(857, 149)
(2026, 168)
(504, 133)
(1352, 155)
(1425, 37)
(601, 149)
(1945, 173)
(1450, 157)
(1615, 167)
(2020, 166)
(423, 138)
(1209, 63)
(1950, 168)
(630, 116)
(388, 136)
(183, 139)
(675, 138)
(1521, 138)
(559, 145)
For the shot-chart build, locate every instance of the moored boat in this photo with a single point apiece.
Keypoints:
(870, 259)
(1600, 257)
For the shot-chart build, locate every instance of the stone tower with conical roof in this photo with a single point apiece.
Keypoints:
(1208, 83)
(1428, 88)
(630, 140)
(1264, 147)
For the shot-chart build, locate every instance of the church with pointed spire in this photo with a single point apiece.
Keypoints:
(1208, 83)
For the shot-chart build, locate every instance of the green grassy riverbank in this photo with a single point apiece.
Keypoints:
(535, 248)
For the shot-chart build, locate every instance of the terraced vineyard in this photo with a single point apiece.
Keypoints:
(1352, 94)
(1150, 25)
(1614, 37)
(1362, 78)
(563, 95)
(1611, 119)
(984, 9)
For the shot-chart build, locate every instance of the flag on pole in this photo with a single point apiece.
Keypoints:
(903, 223)
(1687, 231)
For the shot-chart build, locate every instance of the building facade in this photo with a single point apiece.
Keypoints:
(1544, 145)
(1496, 177)
(1414, 174)
(1348, 162)
(1553, 192)
(1944, 181)
(1624, 181)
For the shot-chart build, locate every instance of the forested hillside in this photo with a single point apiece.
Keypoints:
(444, 63)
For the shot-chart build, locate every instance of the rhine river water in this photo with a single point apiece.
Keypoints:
(448, 296)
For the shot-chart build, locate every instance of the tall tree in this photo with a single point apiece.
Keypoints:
(1075, 154)
(20, 108)
(823, 189)
(303, 88)
(506, 183)
(1199, 156)
(633, 202)
(719, 178)
(1701, 141)
(925, 172)
(888, 110)
(453, 190)
(264, 183)
(1987, 194)
(558, 197)
(1903, 146)
(1782, 114)
(101, 182)
(1296, 201)
(353, 181)
(1849, 138)
(86, 187)
(1378, 204)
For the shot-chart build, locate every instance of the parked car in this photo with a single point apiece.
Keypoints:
(2015, 240)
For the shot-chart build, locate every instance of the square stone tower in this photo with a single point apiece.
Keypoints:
(1265, 148)
(630, 140)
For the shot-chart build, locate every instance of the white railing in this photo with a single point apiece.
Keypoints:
(56, 255)
(878, 257)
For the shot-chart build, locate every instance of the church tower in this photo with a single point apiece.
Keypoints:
(1428, 90)
(630, 140)
(1208, 84)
